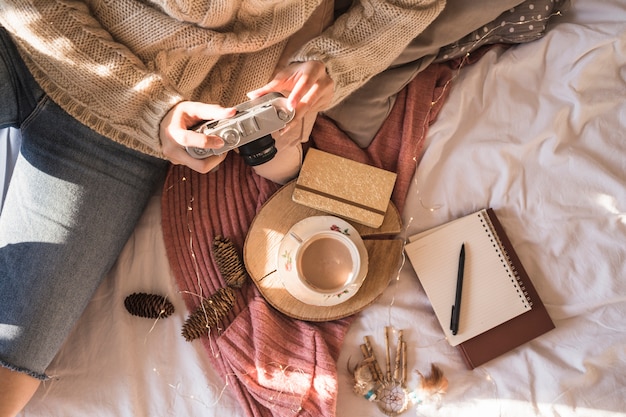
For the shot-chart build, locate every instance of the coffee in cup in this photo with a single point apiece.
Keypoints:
(328, 262)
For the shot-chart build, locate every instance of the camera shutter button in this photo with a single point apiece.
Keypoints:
(230, 137)
(285, 115)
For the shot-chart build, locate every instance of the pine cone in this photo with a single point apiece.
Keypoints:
(208, 314)
(229, 262)
(151, 306)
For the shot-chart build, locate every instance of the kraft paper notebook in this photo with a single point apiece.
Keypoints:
(500, 308)
(344, 187)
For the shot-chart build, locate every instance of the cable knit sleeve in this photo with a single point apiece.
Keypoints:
(81, 67)
(367, 38)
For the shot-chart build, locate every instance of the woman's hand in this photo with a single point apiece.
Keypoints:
(175, 134)
(308, 86)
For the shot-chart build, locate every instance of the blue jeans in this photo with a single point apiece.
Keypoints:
(72, 203)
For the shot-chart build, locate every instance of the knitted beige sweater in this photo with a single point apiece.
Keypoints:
(119, 66)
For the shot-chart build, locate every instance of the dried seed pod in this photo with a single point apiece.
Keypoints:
(151, 306)
(364, 381)
(208, 314)
(229, 262)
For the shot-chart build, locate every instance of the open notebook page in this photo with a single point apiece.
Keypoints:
(491, 293)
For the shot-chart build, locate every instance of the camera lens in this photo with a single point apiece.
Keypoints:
(258, 151)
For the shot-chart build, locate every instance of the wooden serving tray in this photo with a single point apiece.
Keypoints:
(274, 220)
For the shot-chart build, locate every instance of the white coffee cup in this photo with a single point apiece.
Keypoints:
(327, 262)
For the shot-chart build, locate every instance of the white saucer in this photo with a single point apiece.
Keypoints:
(286, 257)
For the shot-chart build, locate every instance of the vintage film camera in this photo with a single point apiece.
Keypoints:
(249, 129)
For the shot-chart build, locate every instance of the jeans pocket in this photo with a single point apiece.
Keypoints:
(41, 104)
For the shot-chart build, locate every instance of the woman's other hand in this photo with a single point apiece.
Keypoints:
(308, 87)
(175, 134)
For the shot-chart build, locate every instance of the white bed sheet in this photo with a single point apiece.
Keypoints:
(537, 133)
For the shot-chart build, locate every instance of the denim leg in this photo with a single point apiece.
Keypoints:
(72, 203)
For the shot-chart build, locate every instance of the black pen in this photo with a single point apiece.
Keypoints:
(456, 308)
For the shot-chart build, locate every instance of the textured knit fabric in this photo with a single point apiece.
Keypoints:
(119, 66)
(276, 365)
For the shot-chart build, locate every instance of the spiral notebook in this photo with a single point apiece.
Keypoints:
(500, 308)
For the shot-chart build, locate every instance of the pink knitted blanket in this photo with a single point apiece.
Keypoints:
(276, 365)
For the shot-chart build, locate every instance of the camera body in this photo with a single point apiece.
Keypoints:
(254, 120)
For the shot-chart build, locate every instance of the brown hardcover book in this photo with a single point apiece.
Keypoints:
(500, 308)
(344, 187)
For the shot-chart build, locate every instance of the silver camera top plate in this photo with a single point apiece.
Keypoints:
(253, 120)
